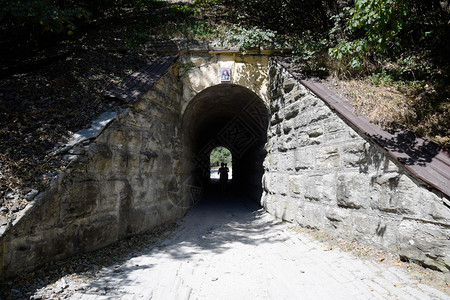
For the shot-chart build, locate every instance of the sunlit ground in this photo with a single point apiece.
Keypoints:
(215, 175)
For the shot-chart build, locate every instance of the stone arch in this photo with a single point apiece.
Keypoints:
(198, 72)
(231, 116)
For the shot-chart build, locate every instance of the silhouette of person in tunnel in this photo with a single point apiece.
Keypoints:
(223, 176)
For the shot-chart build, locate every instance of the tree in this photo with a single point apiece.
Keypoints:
(219, 155)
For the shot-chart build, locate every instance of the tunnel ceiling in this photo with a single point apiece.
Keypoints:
(221, 108)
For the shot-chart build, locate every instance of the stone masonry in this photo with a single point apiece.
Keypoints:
(321, 173)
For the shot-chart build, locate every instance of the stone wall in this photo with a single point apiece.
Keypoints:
(321, 173)
(128, 180)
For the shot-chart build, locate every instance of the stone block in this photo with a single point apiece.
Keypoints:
(339, 222)
(335, 125)
(312, 215)
(275, 119)
(97, 234)
(100, 156)
(286, 161)
(108, 200)
(354, 154)
(291, 111)
(305, 158)
(271, 161)
(319, 114)
(327, 157)
(151, 139)
(352, 191)
(296, 184)
(38, 249)
(315, 131)
(80, 200)
(46, 214)
(288, 84)
(309, 102)
(120, 161)
(281, 207)
(320, 188)
(298, 92)
(375, 230)
(289, 126)
(387, 196)
(264, 197)
(279, 183)
(425, 242)
(268, 203)
(353, 134)
(288, 209)
(432, 207)
(147, 160)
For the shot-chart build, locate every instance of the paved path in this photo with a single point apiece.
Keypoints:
(225, 249)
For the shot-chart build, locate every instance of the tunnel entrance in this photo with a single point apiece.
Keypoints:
(233, 117)
(218, 156)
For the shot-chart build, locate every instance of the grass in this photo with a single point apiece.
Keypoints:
(411, 105)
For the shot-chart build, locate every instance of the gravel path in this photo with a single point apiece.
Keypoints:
(229, 248)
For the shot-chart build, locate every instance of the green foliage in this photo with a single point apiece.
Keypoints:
(309, 49)
(144, 4)
(219, 155)
(393, 78)
(138, 37)
(194, 29)
(177, 11)
(186, 67)
(285, 16)
(406, 35)
(207, 3)
(252, 38)
(43, 14)
(375, 28)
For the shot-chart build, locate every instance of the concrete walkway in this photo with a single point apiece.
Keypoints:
(231, 249)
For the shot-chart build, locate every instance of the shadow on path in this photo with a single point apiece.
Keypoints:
(218, 222)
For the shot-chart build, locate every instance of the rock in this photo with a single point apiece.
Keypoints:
(3, 220)
(12, 196)
(17, 293)
(77, 151)
(30, 195)
(15, 208)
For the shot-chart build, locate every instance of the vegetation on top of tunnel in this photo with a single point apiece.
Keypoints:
(401, 45)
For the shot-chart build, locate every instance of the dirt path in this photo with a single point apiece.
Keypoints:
(230, 249)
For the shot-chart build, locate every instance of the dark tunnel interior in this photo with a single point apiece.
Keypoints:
(234, 117)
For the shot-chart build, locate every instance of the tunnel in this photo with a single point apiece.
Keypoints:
(234, 117)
